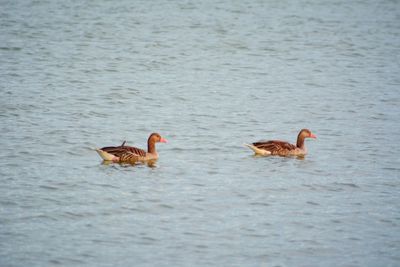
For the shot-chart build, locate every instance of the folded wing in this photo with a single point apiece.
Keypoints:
(275, 147)
(123, 152)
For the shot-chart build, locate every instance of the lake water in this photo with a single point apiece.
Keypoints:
(209, 76)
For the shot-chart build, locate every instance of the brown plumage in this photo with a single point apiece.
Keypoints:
(282, 148)
(132, 154)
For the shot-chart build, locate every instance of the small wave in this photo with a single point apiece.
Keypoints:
(105, 185)
(104, 241)
(48, 187)
(347, 184)
(38, 216)
(166, 206)
(259, 204)
(312, 203)
(256, 235)
(135, 209)
(6, 203)
(191, 234)
(6, 48)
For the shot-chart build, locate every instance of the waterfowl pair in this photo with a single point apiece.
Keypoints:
(132, 154)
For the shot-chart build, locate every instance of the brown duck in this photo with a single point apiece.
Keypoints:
(282, 148)
(130, 154)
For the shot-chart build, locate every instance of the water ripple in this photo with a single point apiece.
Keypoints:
(209, 77)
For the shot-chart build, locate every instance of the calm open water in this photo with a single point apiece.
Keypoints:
(209, 76)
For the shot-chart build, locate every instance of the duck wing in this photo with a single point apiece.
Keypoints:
(124, 151)
(276, 147)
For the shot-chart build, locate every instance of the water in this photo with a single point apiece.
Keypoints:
(209, 76)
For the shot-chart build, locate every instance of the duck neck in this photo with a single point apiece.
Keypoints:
(300, 141)
(151, 146)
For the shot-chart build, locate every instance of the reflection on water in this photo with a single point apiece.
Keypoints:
(149, 163)
(210, 76)
(301, 157)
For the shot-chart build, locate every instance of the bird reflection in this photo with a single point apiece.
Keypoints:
(149, 163)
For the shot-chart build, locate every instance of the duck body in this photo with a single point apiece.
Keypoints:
(282, 148)
(130, 154)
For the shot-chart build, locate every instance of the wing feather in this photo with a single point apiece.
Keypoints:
(120, 151)
(129, 157)
(275, 147)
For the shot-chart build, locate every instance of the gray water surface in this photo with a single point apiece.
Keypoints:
(209, 76)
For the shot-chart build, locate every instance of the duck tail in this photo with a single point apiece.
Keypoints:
(104, 155)
(258, 151)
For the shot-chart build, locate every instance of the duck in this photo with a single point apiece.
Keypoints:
(130, 154)
(282, 148)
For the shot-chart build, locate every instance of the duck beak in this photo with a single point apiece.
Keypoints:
(162, 140)
(313, 136)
